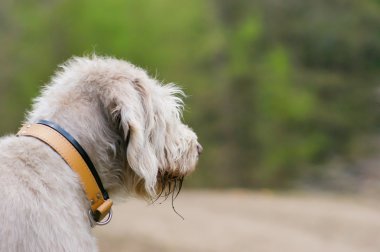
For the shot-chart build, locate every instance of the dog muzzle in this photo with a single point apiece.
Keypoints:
(100, 212)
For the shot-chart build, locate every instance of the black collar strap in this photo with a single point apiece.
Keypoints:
(81, 151)
(76, 157)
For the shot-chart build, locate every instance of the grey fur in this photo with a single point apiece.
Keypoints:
(100, 101)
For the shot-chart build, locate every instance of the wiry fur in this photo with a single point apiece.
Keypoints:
(103, 103)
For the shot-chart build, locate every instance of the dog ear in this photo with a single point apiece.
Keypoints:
(130, 105)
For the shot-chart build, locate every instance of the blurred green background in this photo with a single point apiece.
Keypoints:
(282, 94)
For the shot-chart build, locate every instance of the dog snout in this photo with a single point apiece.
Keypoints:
(199, 149)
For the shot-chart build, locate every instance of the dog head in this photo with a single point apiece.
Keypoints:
(159, 149)
(129, 123)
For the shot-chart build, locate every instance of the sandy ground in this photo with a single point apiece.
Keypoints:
(244, 221)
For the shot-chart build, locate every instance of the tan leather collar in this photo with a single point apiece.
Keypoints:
(100, 205)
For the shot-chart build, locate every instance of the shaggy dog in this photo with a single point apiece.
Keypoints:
(130, 126)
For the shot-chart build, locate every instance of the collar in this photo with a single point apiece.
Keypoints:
(76, 157)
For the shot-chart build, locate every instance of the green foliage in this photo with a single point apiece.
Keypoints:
(282, 109)
(275, 87)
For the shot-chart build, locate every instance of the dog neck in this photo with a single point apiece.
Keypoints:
(76, 157)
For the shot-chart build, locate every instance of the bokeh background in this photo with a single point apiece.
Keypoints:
(284, 96)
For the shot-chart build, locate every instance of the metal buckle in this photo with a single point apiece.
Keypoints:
(105, 221)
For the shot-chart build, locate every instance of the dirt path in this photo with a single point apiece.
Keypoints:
(244, 221)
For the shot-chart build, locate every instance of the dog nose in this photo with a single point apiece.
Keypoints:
(199, 148)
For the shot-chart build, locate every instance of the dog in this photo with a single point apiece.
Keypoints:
(128, 123)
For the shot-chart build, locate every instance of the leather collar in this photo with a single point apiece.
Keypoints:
(76, 157)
